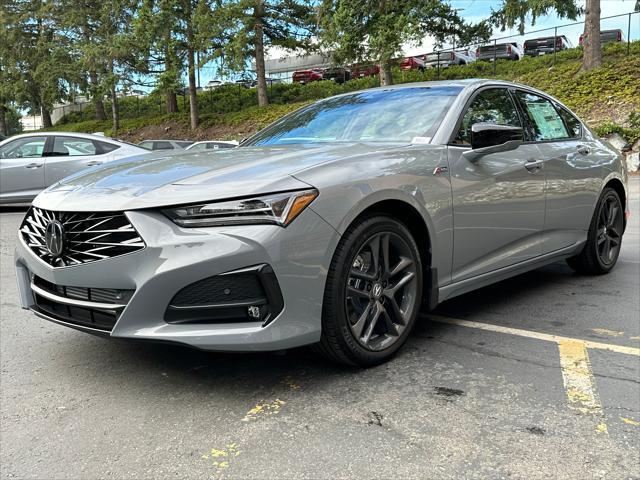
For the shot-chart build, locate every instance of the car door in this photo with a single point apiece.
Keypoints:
(69, 155)
(21, 168)
(498, 200)
(573, 169)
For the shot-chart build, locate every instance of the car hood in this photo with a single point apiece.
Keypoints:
(155, 180)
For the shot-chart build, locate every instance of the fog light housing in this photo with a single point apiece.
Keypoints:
(250, 294)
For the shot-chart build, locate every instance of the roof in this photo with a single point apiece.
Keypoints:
(462, 83)
(66, 134)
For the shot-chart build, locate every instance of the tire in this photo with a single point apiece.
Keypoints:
(369, 305)
(600, 252)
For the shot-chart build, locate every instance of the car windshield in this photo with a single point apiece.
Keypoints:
(393, 115)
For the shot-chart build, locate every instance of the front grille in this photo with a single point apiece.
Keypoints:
(97, 308)
(87, 236)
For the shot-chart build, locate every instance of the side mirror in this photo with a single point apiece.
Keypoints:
(487, 138)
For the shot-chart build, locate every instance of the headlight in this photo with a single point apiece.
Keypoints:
(278, 209)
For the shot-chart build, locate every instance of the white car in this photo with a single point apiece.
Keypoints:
(31, 162)
(212, 145)
(213, 84)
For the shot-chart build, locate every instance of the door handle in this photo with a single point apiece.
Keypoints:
(31, 166)
(93, 163)
(583, 149)
(534, 165)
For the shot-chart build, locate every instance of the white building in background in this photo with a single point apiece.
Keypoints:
(282, 68)
(31, 122)
(281, 64)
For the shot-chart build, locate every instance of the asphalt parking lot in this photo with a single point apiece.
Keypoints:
(534, 377)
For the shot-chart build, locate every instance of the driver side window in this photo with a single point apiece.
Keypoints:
(29, 147)
(493, 106)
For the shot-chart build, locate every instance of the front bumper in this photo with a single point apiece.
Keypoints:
(176, 257)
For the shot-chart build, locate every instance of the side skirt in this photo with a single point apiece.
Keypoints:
(469, 284)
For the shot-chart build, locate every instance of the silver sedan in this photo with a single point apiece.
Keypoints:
(29, 163)
(333, 226)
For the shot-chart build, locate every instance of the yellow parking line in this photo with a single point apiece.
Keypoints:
(578, 380)
(629, 421)
(536, 335)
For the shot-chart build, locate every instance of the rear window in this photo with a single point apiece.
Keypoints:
(73, 147)
(105, 147)
(572, 123)
(162, 146)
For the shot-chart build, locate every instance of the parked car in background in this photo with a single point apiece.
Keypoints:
(336, 74)
(504, 51)
(307, 76)
(412, 63)
(164, 144)
(544, 45)
(213, 84)
(252, 82)
(31, 162)
(607, 36)
(446, 58)
(212, 145)
(359, 71)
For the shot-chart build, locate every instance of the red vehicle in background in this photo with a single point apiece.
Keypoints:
(413, 63)
(359, 71)
(607, 36)
(307, 76)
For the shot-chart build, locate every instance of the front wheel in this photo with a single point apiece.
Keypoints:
(604, 239)
(373, 293)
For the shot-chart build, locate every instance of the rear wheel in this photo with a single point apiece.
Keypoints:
(604, 240)
(373, 293)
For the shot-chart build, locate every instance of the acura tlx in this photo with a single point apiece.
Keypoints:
(333, 226)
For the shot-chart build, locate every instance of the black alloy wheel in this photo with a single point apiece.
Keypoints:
(602, 248)
(373, 292)
(381, 290)
(609, 230)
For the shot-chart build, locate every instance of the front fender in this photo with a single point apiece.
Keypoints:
(349, 188)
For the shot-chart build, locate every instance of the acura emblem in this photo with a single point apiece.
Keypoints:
(54, 238)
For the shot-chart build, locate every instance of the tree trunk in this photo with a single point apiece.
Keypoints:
(193, 93)
(172, 101)
(170, 95)
(97, 98)
(115, 112)
(592, 53)
(386, 76)
(3, 121)
(46, 117)
(258, 14)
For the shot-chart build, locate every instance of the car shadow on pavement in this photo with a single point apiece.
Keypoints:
(244, 373)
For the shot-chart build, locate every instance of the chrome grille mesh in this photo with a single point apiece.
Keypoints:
(87, 236)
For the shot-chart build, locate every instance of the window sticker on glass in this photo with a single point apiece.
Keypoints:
(547, 120)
